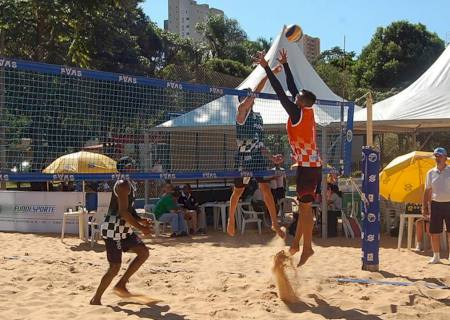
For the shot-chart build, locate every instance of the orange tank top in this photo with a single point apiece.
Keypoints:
(302, 138)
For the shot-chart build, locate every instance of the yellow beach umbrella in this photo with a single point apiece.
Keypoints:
(82, 162)
(403, 179)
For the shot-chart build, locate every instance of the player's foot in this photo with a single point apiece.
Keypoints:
(231, 228)
(294, 249)
(281, 232)
(95, 301)
(306, 254)
(122, 291)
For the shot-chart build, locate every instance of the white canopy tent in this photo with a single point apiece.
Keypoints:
(222, 111)
(425, 104)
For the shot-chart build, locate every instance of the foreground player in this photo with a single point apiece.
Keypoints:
(119, 236)
(252, 156)
(301, 130)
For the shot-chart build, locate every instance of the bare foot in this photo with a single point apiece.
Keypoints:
(306, 254)
(294, 249)
(95, 301)
(279, 231)
(122, 291)
(231, 228)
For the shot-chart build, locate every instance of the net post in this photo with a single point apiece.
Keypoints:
(3, 164)
(370, 235)
(324, 183)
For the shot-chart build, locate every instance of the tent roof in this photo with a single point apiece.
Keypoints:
(424, 104)
(222, 111)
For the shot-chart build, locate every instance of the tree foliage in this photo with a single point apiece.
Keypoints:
(397, 54)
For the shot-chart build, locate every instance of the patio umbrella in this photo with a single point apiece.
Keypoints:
(403, 179)
(82, 162)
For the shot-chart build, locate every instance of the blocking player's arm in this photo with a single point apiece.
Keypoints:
(123, 189)
(245, 106)
(283, 59)
(290, 80)
(291, 108)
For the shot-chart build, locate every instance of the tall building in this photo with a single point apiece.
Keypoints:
(185, 14)
(311, 47)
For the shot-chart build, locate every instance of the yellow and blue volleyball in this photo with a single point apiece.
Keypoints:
(293, 33)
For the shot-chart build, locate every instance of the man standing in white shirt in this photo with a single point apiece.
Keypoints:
(436, 201)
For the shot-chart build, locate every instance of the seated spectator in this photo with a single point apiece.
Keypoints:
(334, 198)
(167, 211)
(190, 205)
(421, 225)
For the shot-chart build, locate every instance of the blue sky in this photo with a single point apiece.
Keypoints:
(329, 20)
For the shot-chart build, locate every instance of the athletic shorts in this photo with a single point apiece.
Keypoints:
(243, 182)
(308, 178)
(440, 212)
(114, 248)
(252, 161)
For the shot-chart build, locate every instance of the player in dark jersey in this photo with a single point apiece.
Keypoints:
(252, 156)
(119, 236)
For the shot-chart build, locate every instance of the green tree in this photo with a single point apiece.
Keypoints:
(397, 55)
(221, 35)
(334, 67)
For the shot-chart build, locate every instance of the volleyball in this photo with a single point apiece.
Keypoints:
(293, 33)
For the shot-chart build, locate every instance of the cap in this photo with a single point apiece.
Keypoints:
(124, 162)
(440, 151)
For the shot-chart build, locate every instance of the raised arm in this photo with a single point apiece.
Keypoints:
(289, 77)
(245, 106)
(290, 107)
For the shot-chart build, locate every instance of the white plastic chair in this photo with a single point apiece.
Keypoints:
(286, 205)
(158, 226)
(95, 221)
(249, 216)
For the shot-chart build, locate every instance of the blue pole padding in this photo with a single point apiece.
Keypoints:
(371, 209)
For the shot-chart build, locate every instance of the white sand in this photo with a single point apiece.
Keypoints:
(214, 277)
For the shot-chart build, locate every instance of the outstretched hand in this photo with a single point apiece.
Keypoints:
(260, 59)
(282, 59)
(277, 69)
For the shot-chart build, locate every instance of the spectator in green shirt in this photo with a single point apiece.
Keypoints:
(167, 211)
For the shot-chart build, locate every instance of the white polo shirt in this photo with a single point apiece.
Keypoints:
(439, 182)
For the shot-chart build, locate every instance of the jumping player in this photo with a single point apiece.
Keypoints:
(301, 130)
(252, 156)
(119, 236)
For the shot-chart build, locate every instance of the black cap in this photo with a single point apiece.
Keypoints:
(124, 162)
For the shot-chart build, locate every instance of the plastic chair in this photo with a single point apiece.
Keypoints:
(157, 225)
(94, 222)
(249, 216)
(286, 205)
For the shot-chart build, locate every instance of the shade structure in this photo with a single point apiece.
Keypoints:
(82, 162)
(403, 179)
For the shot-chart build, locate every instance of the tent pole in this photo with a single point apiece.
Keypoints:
(369, 130)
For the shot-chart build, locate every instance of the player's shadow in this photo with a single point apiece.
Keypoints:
(328, 311)
(153, 311)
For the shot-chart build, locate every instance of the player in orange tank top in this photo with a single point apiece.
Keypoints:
(301, 129)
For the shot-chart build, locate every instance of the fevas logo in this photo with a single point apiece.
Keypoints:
(216, 90)
(4, 177)
(174, 85)
(209, 175)
(120, 176)
(8, 63)
(167, 176)
(63, 177)
(127, 79)
(70, 72)
(246, 174)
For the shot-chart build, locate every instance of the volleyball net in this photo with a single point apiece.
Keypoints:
(173, 130)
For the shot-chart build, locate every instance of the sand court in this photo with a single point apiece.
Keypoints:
(216, 277)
